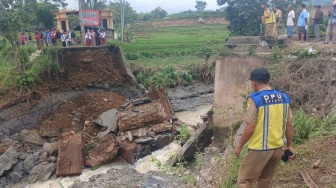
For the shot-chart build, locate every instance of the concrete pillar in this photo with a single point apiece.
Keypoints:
(231, 87)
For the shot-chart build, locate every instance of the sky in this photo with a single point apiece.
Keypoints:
(171, 6)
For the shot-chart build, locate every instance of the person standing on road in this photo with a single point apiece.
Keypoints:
(268, 130)
(93, 38)
(63, 39)
(88, 38)
(102, 37)
(73, 37)
(331, 25)
(38, 40)
(69, 38)
(48, 37)
(290, 22)
(97, 34)
(268, 19)
(303, 22)
(53, 37)
(278, 19)
(318, 21)
(58, 37)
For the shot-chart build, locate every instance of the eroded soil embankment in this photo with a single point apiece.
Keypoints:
(82, 70)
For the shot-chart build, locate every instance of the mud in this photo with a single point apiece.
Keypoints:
(186, 98)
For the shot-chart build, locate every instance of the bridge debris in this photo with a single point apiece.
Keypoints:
(70, 156)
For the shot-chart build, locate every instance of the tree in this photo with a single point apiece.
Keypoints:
(12, 15)
(45, 14)
(200, 5)
(205, 53)
(130, 14)
(94, 4)
(158, 13)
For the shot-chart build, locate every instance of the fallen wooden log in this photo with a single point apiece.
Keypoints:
(308, 180)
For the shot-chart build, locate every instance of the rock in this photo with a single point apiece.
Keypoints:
(70, 156)
(106, 149)
(31, 160)
(108, 119)
(143, 140)
(8, 159)
(161, 141)
(129, 135)
(127, 149)
(214, 161)
(42, 172)
(7, 143)
(23, 156)
(161, 95)
(198, 141)
(15, 176)
(214, 150)
(51, 148)
(155, 182)
(141, 101)
(132, 151)
(3, 181)
(162, 127)
(141, 116)
(46, 131)
(31, 136)
(316, 163)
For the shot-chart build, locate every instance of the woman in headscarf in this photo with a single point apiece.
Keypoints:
(93, 36)
(87, 37)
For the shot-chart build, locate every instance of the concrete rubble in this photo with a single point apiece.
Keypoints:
(70, 156)
(132, 131)
(31, 137)
(8, 159)
(105, 150)
(7, 143)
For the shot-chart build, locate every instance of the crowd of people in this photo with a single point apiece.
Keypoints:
(56, 37)
(95, 37)
(273, 16)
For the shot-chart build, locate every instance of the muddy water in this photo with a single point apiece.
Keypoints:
(157, 159)
(161, 157)
(85, 176)
(192, 117)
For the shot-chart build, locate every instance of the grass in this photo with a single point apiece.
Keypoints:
(162, 57)
(43, 64)
(157, 40)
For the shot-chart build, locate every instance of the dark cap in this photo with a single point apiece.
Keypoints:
(318, 6)
(260, 74)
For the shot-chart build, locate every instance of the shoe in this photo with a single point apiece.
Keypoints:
(325, 43)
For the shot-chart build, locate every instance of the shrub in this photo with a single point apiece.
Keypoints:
(304, 126)
(130, 56)
(146, 54)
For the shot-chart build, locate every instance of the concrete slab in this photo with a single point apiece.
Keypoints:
(70, 157)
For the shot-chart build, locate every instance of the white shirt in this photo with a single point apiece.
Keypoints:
(290, 17)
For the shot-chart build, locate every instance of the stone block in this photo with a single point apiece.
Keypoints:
(104, 151)
(31, 137)
(70, 156)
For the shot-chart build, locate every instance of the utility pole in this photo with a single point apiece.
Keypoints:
(80, 8)
(122, 5)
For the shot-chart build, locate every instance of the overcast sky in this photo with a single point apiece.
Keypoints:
(171, 6)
